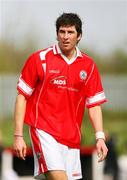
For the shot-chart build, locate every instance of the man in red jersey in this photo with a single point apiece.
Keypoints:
(55, 86)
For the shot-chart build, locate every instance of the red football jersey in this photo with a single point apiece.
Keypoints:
(57, 91)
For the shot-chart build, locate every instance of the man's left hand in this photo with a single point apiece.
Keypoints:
(102, 149)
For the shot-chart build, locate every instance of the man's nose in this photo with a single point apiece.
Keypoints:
(66, 35)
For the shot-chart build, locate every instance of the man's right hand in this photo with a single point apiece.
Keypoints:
(20, 147)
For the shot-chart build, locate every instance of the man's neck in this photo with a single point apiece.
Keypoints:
(70, 55)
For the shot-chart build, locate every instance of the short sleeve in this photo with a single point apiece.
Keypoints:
(93, 89)
(28, 77)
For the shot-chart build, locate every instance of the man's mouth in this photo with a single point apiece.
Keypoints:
(66, 43)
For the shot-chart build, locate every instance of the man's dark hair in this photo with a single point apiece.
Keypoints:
(69, 19)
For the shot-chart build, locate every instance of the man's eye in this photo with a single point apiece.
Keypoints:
(62, 32)
(70, 32)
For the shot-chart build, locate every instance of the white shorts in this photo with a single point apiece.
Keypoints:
(51, 155)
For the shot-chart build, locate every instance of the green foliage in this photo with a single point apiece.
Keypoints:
(7, 127)
(119, 61)
(114, 63)
(12, 58)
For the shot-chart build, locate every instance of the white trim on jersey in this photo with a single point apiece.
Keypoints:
(42, 57)
(25, 87)
(44, 68)
(94, 99)
(77, 54)
(44, 52)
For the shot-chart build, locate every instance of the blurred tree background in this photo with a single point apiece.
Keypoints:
(12, 58)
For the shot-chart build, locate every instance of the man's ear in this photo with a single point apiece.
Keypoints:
(79, 37)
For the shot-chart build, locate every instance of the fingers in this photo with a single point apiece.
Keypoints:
(24, 152)
(20, 148)
(101, 150)
(20, 154)
(101, 156)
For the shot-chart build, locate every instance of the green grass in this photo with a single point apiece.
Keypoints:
(7, 127)
(114, 123)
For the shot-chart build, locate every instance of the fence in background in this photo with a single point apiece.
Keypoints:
(115, 89)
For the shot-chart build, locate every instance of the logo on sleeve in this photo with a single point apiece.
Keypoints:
(83, 75)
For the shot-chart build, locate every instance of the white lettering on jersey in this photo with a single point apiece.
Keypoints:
(55, 71)
(59, 82)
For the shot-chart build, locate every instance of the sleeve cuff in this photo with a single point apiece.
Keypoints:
(96, 104)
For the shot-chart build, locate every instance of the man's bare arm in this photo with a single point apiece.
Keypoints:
(19, 143)
(95, 114)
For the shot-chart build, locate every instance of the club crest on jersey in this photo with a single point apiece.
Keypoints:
(83, 75)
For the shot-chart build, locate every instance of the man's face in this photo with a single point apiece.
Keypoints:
(67, 38)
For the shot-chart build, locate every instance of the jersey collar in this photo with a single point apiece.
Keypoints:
(56, 50)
